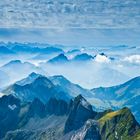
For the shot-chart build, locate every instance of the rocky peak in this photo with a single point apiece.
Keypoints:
(33, 74)
(61, 58)
(80, 112)
(81, 101)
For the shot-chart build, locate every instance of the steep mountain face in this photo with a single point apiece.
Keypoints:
(9, 110)
(127, 94)
(62, 120)
(60, 59)
(80, 112)
(88, 131)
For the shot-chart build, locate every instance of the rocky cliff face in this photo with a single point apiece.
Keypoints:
(89, 131)
(57, 107)
(80, 112)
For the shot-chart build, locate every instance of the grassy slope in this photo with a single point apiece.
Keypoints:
(119, 125)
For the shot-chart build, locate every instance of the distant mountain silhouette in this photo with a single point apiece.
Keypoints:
(60, 59)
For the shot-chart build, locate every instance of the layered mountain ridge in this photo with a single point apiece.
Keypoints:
(38, 87)
(44, 88)
(126, 94)
(50, 108)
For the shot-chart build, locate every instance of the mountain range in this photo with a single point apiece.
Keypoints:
(53, 107)
(127, 94)
(22, 70)
(80, 57)
(70, 70)
(117, 97)
(57, 85)
(16, 48)
(58, 119)
(46, 105)
(38, 56)
(36, 86)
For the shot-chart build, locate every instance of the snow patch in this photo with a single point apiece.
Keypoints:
(116, 135)
(12, 107)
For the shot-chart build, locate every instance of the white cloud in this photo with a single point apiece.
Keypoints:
(1, 94)
(132, 59)
(75, 14)
(102, 59)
